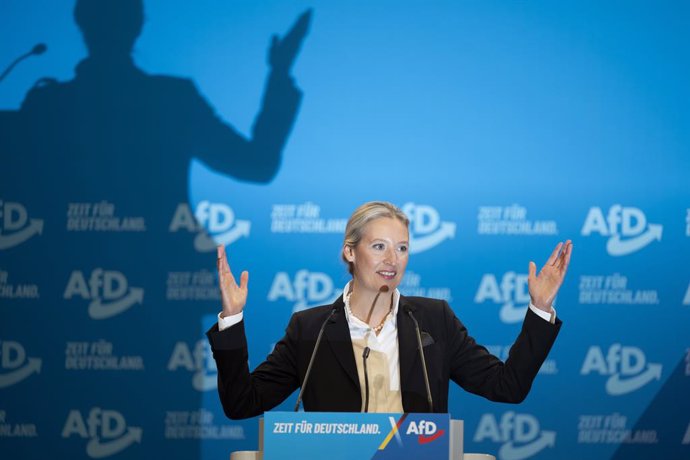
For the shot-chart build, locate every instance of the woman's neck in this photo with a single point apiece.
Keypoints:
(368, 305)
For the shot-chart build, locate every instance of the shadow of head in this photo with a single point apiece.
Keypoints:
(109, 27)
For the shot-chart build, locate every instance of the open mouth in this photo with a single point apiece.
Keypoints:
(389, 275)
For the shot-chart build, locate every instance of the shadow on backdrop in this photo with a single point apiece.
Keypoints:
(117, 133)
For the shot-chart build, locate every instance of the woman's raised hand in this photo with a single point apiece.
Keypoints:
(234, 297)
(544, 287)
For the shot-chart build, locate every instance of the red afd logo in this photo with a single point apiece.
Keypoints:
(426, 431)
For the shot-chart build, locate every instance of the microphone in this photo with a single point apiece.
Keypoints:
(383, 288)
(311, 360)
(365, 355)
(38, 49)
(408, 310)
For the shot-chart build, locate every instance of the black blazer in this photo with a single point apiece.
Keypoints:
(450, 354)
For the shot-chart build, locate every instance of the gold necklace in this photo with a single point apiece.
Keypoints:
(378, 328)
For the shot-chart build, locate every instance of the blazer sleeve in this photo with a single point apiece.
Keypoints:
(479, 372)
(244, 394)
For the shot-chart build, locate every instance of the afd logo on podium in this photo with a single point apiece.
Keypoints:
(15, 366)
(626, 367)
(426, 431)
(106, 430)
(426, 228)
(306, 289)
(512, 293)
(213, 223)
(199, 361)
(15, 225)
(626, 227)
(108, 291)
(520, 435)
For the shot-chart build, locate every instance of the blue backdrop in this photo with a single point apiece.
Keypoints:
(501, 128)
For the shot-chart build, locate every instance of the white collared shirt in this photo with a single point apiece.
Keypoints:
(385, 342)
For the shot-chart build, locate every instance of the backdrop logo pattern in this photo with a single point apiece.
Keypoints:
(411, 285)
(304, 218)
(100, 217)
(197, 359)
(426, 228)
(611, 429)
(626, 367)
(99, 356)
(199, 424)
(11, 429)
(614, 290)
(16, 291)
(511, 293)
(108, 291)
(106, 430)
(626, 227)
(520, 435)
(686, 299)
(15, 365)
(213, 223)
(511, 220)
(15, 225)
(306, 289)
(196, 285)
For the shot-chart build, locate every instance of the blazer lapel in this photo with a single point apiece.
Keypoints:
(337, 334)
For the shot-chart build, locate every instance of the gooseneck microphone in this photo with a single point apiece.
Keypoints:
(383, 288)
(365, 355)
(39, 48)
(311, 360)
(408, 310)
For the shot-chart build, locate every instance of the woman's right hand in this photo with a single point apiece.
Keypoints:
(234, 297)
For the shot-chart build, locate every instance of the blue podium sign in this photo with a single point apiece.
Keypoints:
(348, 436)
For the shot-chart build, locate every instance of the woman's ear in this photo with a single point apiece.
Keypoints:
(348, 253)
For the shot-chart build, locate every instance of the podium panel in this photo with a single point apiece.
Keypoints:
(350, 436)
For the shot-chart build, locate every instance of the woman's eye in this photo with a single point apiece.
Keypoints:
(402, 249)
(378, 246)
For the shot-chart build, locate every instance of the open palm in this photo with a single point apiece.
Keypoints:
(234, 297)
(544, 286)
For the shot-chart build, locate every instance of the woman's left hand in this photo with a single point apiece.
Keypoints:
(544, 286)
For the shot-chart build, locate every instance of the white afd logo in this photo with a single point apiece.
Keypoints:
(626, 228)
(14, 364)
(214, 224)
(106, 431)
(199, 361)
(426, 228)
(519, 434)
(107, 290)
(15, 225)
(306, 290)
(422, 428)
(686, 299)
(512, 293)
(626, 367)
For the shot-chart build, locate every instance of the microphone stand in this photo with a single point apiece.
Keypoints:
(421, 355)
(365, 355)
(311, 360)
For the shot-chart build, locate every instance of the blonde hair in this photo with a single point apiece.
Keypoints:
(362, 216)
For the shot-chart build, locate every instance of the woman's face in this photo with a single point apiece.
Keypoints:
(380, 257)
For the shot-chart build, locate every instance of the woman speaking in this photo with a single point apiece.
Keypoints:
(368, 356)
